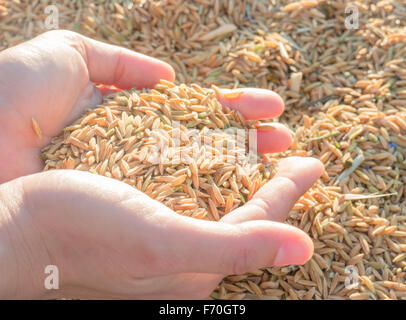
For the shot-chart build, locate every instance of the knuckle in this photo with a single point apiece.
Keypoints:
(244, 260)
(261, 206)
(120, 67)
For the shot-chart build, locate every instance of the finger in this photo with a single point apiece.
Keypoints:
(275, 140)
(113, 65)
(274, 201)
(215, 247)
(253, 103)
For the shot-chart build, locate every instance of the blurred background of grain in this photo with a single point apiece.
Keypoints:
(345, 95)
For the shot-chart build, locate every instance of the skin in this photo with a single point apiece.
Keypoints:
(107, 239)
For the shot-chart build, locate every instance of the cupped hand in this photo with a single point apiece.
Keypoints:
(52, 78)
(108, 239)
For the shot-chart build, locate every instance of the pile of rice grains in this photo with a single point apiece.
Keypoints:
(345, 94)
(177, 144)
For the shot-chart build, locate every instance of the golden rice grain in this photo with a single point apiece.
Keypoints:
(224, 29)
(36, 128)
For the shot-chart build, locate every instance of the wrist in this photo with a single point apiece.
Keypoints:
(21, 263)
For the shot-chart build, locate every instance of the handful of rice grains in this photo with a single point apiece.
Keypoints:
(177, 144)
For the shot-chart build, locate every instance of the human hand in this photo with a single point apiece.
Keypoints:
(52, 78)
(108, 239)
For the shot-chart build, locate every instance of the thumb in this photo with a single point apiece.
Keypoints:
(244, 240)
(216, 247)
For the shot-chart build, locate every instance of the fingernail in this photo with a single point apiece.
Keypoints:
(292, 253)
(265, 127)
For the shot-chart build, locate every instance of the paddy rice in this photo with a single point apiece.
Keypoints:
(344, 92)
